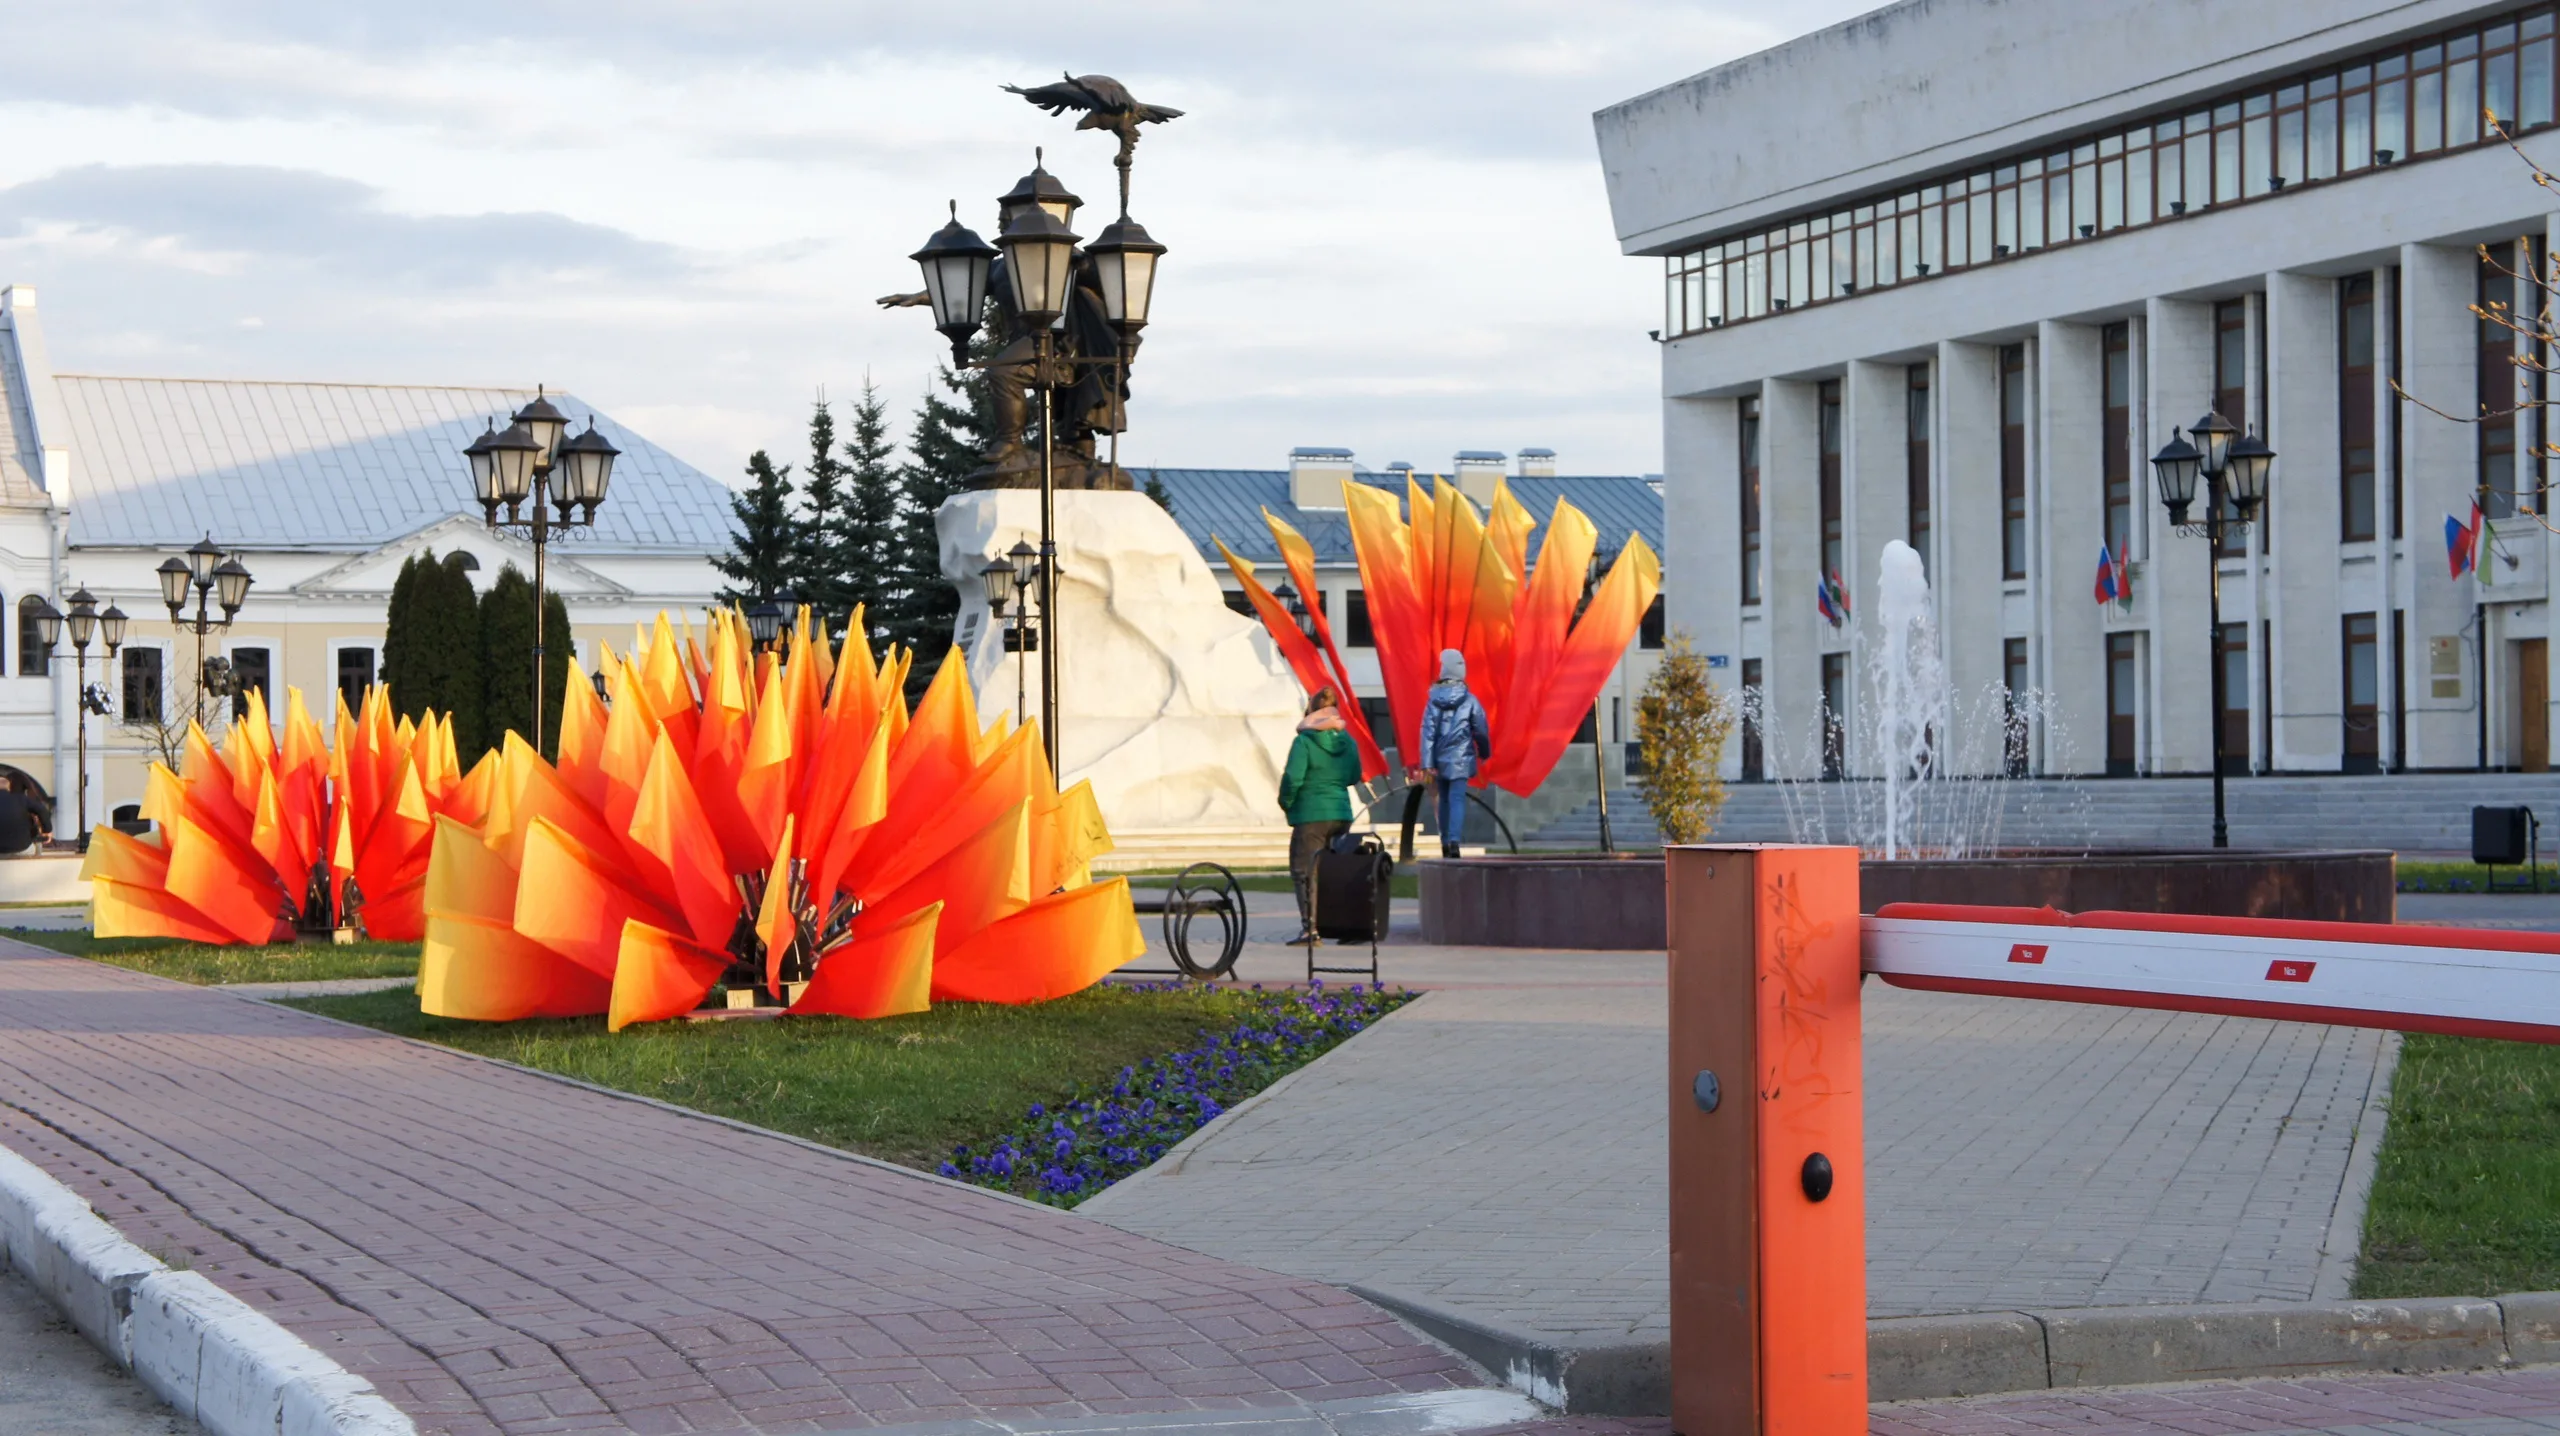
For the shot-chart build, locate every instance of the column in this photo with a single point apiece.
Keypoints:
(2177, 374)
(1877, 504)
(2302, 525)
(1965, 575)
(1702, 568)
(2440, 467)
(2069, 494)
(1791, 539)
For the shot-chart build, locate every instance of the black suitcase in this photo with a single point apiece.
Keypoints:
(1354, 880)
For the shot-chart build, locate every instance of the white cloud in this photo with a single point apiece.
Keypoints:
(1387, 224)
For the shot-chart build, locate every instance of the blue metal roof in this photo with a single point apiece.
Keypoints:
(1228, 503)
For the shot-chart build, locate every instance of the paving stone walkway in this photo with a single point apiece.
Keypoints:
(502, 1253)
(1499, 1148)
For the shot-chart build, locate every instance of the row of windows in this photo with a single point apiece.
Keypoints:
(2368, 478)
(2360, 684)
(144, 671)
(2409, 100)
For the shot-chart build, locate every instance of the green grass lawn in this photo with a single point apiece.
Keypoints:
(2472, 878)
(2466, 1199)
(904, 1089)
(206, 965)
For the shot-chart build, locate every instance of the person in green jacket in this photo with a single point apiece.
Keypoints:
(1314, 792)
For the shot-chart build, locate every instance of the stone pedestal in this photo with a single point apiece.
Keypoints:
(1176, 708)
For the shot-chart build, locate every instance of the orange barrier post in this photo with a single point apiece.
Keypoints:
(1768, 1213)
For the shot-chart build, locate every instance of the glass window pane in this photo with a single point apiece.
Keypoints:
(2111, 195)
(2030, 214)
(2226, 165)
(2321, 159)
(1799, 272)
(2167, 158)
(1821, 255)
(2428, 113)
(1755, 278)
(2290, 166)
(1978, 226)
(2084, 199)
(2355, 141)
(2057, 190)
(1959, 241)
(1843, 259)
(2498, 88)
(2462, 102)
(2391, 119)
(1932, 219)
(2137, 186)
(1711, 297)
(1888, 254)
(2257, 157)
(2533, 102)
(1866, 266)
(2005, 222)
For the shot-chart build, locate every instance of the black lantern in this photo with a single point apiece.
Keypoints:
(1036, 190)
(586, 467)
(998, 578)
(202, 556)
(515, 452)
(483, 454)
(111, 627)
(2177, 464)
(174, 580)
(764, 621)
(1026, 563)
(49, 626)
(1039, 262)
(1124, 268)
(2244, 471)
(955, 263)
(2213, 435)
(84, 618)
(231, 586)
(544, 421)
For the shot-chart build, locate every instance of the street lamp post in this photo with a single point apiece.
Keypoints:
(215, 579)
(1008, 581)
(2234, 467)
(86, 622)
(1600, 564)
(529, 458)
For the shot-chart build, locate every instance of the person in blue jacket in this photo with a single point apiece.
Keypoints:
(1454, 740)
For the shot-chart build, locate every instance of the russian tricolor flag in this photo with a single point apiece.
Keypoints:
(2462, 543)
(2110, 587)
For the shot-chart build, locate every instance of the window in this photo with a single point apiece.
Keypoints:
(2362, 670)
(1754, 758)
(2013, 461)
(2231, 398)
(2340, 118)
(1239, 602)
(2391, 445)
(1355, 620)
(2116, 445)
(355, 675)
(2231, 650)
(1649, 632)
(2356, 447)
(1833, 536)
(1749, 430)
(2122, 685)
(2015, 707)
(2498, 374)
(141, 685)
(1381, 720)
(251, 669)
(35, 657)
(2399, 690)
(1915, 455)
(1835, 715)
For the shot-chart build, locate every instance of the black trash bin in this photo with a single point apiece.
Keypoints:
(2506, 837)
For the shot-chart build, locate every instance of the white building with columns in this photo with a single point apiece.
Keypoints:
(1952, 271)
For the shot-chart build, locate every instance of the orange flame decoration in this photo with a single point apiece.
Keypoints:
(258, 831)
(1454, 579)
(785, 817)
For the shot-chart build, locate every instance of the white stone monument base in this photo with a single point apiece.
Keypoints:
(1178, 710)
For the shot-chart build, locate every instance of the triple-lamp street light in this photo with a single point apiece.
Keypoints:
(86, 623)
(1040, 259)
(2235, 468)
(566, 480)
(214, 577)
(769, 619)
(1008, 583)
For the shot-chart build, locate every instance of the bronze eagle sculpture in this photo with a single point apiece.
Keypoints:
(1107, 103)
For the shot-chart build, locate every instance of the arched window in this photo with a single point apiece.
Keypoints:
(34, 659)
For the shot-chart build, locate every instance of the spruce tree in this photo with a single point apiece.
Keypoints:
(868, 540)
(950, 440)
(399, 641)
(1157, 491)
(506, 653)
(759, 562)
(817, 553)
(452, 626)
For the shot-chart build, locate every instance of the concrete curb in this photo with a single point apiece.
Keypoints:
(214, 1358)
(1911, 1358)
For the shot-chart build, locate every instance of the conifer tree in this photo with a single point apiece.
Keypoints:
(1156, 490)
(506, 652)
(399, 641)
(759, 562)
(817, 540)
(868, 540)
(431, 647)
(950, 438)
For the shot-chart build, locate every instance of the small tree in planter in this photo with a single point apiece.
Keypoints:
(1681, 726)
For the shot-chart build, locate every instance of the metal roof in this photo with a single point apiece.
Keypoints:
(338, 467)
(1228, 504)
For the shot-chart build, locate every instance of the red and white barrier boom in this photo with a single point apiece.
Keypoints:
(2466, 982)
(1767, 1210)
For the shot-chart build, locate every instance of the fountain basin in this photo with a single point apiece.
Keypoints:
(1615, 903)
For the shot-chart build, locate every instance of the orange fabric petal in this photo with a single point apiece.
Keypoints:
(1056, 946)
(569, 899)
(669, 825)
(488, 972)
(776, 925)
(881, 973)
(978, 882)
(660, 975)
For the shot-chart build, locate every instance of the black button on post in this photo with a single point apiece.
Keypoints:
(1707, 1090)
(1817, 1177)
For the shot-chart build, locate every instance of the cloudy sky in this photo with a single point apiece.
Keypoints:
(1387, 223)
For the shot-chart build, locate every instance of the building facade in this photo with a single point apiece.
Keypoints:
(2024, 243)
(322, 490)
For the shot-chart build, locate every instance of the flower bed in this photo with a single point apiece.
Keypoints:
(1065, 1152)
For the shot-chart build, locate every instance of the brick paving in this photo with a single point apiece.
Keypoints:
(1499, 1149)
(502, 1253)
